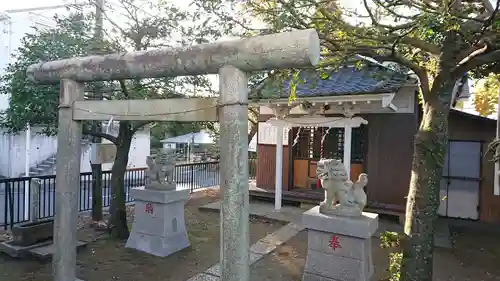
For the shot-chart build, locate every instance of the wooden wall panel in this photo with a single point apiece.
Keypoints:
(356, 169)
(266, 166)
(463, 126)
(471, 128)
(312, 169)
(489, 204)
(389, 158)
(300, 173)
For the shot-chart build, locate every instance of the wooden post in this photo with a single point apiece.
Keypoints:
(347, 148)
(496, 179)
(279, 168)
(67, 182)
(233, 116)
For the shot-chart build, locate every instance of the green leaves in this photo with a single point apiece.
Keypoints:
(37, 104)
(486, 95)
(293, 86)
(72, 37)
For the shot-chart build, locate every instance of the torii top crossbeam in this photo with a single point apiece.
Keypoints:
(276, 51)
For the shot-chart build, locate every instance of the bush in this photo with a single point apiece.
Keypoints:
(392, 240)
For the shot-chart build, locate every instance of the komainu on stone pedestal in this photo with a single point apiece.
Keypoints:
(339, 247)
(160, 172)
(350, 196)
(159, 227)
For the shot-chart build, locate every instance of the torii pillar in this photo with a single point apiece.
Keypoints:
(232, 60)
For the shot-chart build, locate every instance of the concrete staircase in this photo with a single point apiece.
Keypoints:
(48, 166)
(44, 168)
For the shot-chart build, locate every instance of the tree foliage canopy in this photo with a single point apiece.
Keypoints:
(486, 95)
(73, 35)
(411, 33)
(439, 41)
(36, 104)
(142, 25)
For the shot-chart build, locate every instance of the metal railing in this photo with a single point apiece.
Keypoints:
(15, 193)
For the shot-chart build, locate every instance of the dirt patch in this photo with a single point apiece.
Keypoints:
(474, 258)
(287, 262)
(107, 260)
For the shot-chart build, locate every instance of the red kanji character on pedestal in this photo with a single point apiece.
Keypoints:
(149, 208)
(335, 243)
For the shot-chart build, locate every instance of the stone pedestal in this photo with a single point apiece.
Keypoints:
(339, 248)
(159, 228)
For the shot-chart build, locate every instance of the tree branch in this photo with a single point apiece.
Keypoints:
(404, 39)
(391, 11)
(109, 137)
(424, 46)
(477, 61)
(255, 111)
(419, 71)
(488, 7)
(139, 124)
(389, 27)
(473, 54)
(125, 91)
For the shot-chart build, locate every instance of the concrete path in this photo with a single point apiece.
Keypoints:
(266, 210)
(442, 237)
(257, 251)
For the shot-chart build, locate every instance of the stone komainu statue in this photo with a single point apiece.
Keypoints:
(165, 161)
(161, 169)
(350, 196)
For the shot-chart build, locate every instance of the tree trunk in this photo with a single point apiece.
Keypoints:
(423, 197)
(253, 131)
(118, 214)
(96, 192)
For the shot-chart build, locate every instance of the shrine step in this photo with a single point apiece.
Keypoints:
(43, 250)
(16, 251)
(46, 252)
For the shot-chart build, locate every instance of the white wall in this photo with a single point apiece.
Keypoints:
(4, 101)
(169, 145)
(13, 27)
(13, 151)
(139, 150)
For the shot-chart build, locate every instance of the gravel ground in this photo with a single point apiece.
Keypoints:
(108, 260)
(474, 258)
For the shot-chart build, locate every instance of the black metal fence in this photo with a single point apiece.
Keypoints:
(16, 196)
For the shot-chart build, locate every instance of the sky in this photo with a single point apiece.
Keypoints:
(9, 5)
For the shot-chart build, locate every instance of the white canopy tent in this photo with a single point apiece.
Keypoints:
(203, 137)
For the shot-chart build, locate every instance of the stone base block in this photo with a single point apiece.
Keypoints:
(361, 227)
(20, 251)
(158, 195)
(42, 251)
(312, 277)
(30, 233)
(161, 186)
(339, 248)
(159, 227)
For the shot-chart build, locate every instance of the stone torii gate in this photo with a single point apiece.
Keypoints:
(232, 60)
